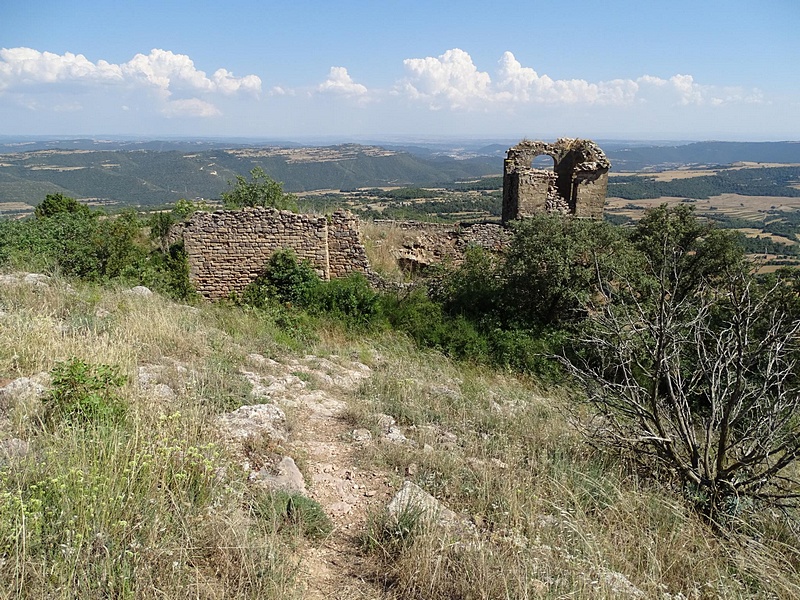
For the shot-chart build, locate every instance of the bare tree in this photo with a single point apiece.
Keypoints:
(704, 383)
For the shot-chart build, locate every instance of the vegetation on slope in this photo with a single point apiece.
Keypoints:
(551, 514)
(770, 181)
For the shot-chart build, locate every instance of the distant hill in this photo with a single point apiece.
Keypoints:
(144, 176)
(156, 172)
(638, 158)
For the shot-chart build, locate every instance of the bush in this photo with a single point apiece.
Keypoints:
(427, 324)
(54, 204)
(284, 279)
(280, 509)
(349, 299)
(85, 394)
(261, 190)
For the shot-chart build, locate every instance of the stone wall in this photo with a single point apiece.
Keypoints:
(228, 249)
(577, 184)
(433, 243)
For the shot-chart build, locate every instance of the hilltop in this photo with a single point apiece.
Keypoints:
(155, 173)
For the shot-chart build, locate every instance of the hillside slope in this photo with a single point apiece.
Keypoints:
(188, 486)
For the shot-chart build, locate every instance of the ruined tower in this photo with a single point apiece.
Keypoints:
(576, 185)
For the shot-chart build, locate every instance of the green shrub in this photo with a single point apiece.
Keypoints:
(349, 299)
(59, 203)
(85, 394)
(285, 279)
(528, 351)
(279, 509)
(428, 325)
(261, 190)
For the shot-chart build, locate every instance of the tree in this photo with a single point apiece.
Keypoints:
(261, 190)
(54, 204)
(684, 249)
(696, 373)
(551, 269)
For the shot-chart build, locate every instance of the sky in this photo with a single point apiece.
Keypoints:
(386, 69)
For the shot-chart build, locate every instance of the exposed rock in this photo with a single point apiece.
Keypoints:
(255, 420)
(140, 291)
(620, 585)
(288, 477)
(395, 435)
(361, 435)
(414, 501)
(23, 389)
(37, 280)
(384, 422)
(261, 361)
(13, 448)
(163, 391)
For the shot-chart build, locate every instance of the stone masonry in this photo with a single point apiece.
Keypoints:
(577, 185)
(228, 249)
(426, 244)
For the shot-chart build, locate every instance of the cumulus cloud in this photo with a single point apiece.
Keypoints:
(340, 82)
(452, 80)
(173, 77)
(25, 66)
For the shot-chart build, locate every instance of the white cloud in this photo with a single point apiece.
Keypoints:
(26, 66)
(178, 84)
(340, 82)
(452, 80)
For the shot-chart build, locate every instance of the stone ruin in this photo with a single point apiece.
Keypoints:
(228, 249)
(576, 186)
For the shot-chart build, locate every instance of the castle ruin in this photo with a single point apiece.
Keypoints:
(228, 249)
(576, 185)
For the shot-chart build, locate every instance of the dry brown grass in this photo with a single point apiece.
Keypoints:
(554, 517)
(153, 507)
(381, 242)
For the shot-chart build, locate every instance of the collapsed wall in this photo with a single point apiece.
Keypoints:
(228, 249)
(576, 185)
(426, 244)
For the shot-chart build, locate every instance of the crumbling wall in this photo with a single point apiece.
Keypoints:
(577, 184)
(228, 249)
(435, 243)
(346, 253)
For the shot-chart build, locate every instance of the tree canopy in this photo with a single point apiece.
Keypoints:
(54, 204)
(260, 190)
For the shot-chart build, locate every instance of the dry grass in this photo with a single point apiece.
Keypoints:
(153, 507)
(554, 518)
(381, 241)
(159, 508)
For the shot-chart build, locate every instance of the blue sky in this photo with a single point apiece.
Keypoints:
(357, 69)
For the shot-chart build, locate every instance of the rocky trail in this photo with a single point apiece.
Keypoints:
(303, 417)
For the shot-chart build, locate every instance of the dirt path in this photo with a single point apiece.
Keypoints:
(314, 393)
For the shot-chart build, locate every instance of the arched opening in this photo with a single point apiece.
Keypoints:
(543, 162)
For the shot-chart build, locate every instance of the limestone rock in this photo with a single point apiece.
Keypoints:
(361, 435)
(23, 389)
(255, 420)
(140, 291)
(288, 477)
(413, 500)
